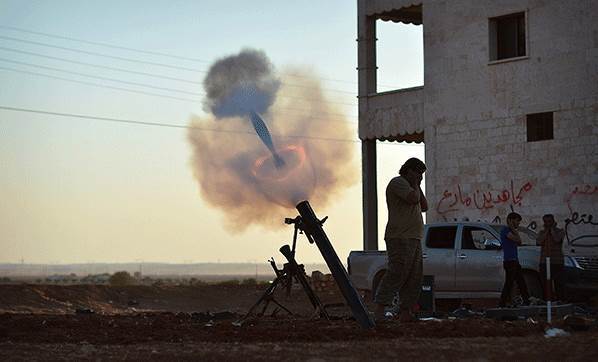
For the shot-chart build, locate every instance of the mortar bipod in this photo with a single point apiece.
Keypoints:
(285, 276)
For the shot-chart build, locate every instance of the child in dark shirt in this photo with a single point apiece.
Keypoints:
(510, 240)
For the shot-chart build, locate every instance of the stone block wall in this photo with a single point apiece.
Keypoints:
(480, 165)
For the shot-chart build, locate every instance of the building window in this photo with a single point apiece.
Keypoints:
(540, 126)
(507, 36)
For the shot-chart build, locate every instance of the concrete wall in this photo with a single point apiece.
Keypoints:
(480, 165)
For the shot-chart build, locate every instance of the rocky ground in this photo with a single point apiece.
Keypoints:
(196, 323)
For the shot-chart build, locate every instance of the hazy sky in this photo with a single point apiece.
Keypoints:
(81, 190)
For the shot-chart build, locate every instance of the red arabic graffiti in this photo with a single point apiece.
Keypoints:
(585, 190)
(453, 201)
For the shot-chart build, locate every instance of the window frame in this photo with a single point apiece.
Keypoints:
(493, 38)
(541, 129)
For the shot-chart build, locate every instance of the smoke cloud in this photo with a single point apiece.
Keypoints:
(235, 170)
(239, 84)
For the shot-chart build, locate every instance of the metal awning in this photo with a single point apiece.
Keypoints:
(404, 11)
(393, 116)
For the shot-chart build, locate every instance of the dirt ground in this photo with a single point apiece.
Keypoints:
(196, 323)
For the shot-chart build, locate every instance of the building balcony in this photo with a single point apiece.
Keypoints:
(393, 116)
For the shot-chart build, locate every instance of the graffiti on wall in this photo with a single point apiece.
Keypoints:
(457, 200)
(581, 229)
(580, 220)
(580, 191)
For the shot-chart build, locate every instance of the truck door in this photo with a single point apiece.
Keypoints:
(439, 256)
(479, 262)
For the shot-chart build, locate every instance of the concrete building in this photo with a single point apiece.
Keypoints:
(508, 111)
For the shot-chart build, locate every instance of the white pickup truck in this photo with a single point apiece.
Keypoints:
(465, 259)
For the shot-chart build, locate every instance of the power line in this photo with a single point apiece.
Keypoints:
(172, 56)
(117, 120)
(98, 85)
(104, 44)
(100, 66)
(145, 62)
(294, 110)
(170, 125)
(141, 73)
(99, 77)
(104, 55)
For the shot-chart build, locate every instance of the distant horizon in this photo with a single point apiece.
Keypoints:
(151, 269)
(157, 262)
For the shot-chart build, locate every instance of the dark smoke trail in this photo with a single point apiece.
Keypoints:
(264, 134)
(244, 85)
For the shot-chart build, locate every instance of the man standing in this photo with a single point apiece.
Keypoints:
(551, 241)
(404, 231)
(510, 240)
